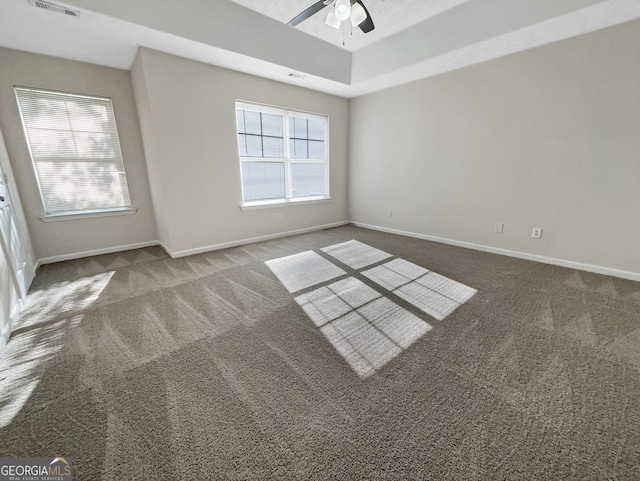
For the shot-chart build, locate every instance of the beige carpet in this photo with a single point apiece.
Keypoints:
(143, 367)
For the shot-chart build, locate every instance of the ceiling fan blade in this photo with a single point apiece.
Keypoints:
(367, 25)
(309, 12)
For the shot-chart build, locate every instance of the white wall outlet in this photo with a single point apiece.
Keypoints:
(499, 227)
(389, 213)
(279, 216)
(537, 232)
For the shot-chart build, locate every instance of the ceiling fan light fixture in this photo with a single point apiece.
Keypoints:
(343, 9)
(358, 15)
(332, 20)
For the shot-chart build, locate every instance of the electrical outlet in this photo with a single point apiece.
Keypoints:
(537, 232)
(279, 216)
(389, 213)
(499, 227)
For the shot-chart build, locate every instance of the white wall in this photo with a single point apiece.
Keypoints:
(69, 237)
(549, 138)
(187, 113)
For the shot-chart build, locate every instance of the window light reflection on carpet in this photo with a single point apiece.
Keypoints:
(366, 326)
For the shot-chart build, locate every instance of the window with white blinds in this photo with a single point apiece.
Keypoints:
(283, 154)
(75, 151)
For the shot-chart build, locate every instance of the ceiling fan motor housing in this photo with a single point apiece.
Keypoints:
(341, 10)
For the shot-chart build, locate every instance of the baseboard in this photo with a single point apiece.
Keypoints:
(251, 240)
(95, 252)
(166, 249)
(634, 276)
(186, 252)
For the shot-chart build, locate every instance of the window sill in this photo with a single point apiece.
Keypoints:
(88, 214)
(266, 204)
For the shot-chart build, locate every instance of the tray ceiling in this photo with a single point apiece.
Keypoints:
(388, 16)
(413, 39)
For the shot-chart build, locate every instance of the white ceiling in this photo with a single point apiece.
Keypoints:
(413, 39)
(388, 16)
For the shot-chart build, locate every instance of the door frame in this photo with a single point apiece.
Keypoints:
(29, 266)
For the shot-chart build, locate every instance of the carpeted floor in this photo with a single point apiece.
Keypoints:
(143, 367)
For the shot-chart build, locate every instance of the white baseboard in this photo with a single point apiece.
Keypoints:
(95, 252)
(251, 240)
(166, 249)
(634, 276)
(186, 252)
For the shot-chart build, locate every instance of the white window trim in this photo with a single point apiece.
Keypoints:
(88, 214)
(287, 160)
(266, 204)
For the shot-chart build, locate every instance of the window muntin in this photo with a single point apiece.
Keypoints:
(260, 134)
(306, 138)
(283, 154)
(75, 150)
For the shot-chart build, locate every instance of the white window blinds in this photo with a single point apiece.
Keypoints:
(75, 151)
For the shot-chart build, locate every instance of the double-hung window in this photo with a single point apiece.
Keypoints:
(75, 150)
(284, 155)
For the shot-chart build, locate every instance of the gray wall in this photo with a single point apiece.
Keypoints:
(548, 138)
(81, 235)
(187, 113)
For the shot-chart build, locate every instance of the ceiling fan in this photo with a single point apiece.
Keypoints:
(341, 10)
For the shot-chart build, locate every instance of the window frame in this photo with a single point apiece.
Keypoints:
(52, 216)
(287, 159)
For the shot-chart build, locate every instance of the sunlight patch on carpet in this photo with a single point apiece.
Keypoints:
(38, 337)
(303, 270)
(329, 303)
(432, 293)
(398, 324)
(366, 325)
(426, 300)
(63, 298)
(26, 357)
(363, 346)
(385, 277)
(367, 329)
(447, 287)
(356, 254)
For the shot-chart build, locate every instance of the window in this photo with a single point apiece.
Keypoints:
(283, 154)
(75, 151)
